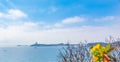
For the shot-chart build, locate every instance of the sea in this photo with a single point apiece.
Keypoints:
(30, 54)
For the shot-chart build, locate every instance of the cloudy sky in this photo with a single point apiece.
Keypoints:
(58, 21)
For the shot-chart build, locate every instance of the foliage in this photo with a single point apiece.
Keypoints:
(99, 52)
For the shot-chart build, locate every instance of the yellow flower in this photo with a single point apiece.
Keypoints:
(98, 52)
(95, 58)
(97, 46)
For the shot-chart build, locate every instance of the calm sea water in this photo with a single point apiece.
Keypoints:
(29, 54)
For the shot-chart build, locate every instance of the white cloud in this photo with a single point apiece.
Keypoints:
(58, 25)
(13, 14)
(70, 20)
(74, 19)
(26, 26)
(22, 34)
(30, 24)
(108, 18)
(1, 14)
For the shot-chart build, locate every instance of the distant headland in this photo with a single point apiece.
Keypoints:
(62, 44)
(37, 44)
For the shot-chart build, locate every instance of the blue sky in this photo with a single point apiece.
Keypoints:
(56, 21)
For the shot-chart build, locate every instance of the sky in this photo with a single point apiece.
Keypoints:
(25, 22)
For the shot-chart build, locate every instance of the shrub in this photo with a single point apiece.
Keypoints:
(75, 53)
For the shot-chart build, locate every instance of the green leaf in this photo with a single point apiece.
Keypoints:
(107, 47)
